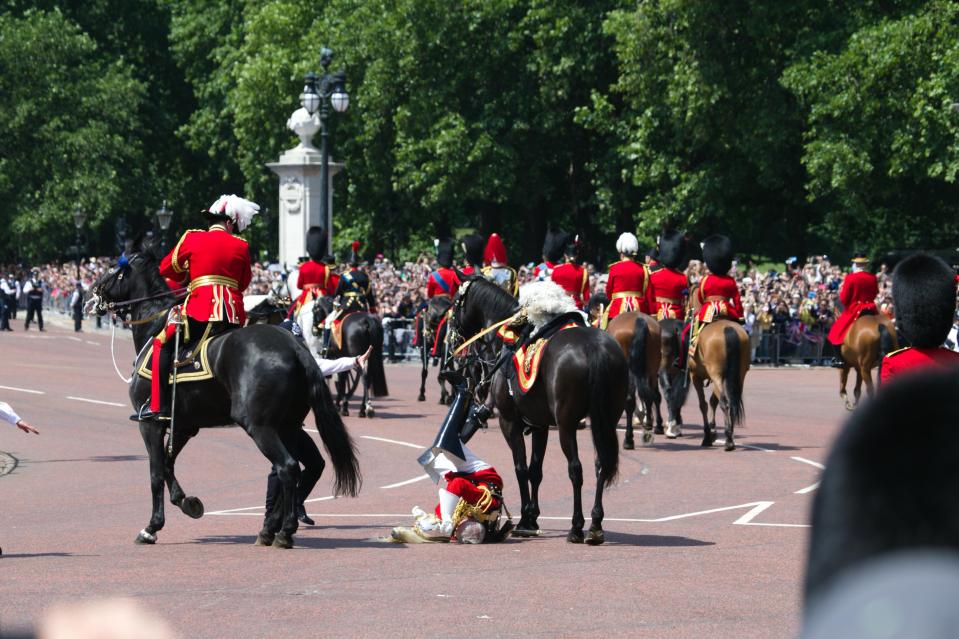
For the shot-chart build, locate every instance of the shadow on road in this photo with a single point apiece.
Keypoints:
(95, 458)
(34, 555)
(626, 539)
(299, 541)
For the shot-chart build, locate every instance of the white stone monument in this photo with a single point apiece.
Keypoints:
(300, 191)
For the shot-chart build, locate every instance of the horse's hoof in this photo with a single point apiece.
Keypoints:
(595, 537)
(370, 413)
(282, 540)
(145, 538)
(525, 531)
(673, 431)
(345, 412)
(575, 537)
(361, 414)
(658, 430)
(192, 507)
(647, 438)
(264, 539)
(421, 398)
(707, 442)
(628, 444)
(850, 406)
(442, 401)
(730, 445)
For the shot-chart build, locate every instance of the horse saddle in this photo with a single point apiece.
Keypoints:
(337, 330)
(527, 357)
(191, 362)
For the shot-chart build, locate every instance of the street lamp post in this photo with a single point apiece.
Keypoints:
(164, 216)
(79, 217)
(319, 92)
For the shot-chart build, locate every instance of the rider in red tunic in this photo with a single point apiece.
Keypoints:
(924, 296)
(628, 282)
(473, 246)
(858, 296)
(718, 293)
(553, 247)
(314, 276)
(670, 285)
(497, 269)
(443, 281)
(215, 266)
(572, 276)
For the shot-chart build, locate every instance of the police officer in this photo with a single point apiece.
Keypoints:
(33, 289)
(8, 301)
(76, 308)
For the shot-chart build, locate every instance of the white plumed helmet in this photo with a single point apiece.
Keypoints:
(236, 208)
(627, 244)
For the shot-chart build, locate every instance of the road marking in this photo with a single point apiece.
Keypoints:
(407, 482)
(807, 489)
(23, 390)
(810, 462)
(236, 511)
(392, 441)
(95, 401)
(93, 343)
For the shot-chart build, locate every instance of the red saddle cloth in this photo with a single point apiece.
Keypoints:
(839, 328)
(527, 358)
(338, 329)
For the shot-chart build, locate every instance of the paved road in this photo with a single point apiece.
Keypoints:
(700, 542)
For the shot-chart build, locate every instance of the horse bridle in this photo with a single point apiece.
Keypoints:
(116, 274)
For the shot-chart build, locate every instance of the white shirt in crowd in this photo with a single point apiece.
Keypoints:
(8, 288)
(7, 413)
(333, 366)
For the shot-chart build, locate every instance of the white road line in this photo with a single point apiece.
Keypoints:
(93, 343)
(807, 489)
(344, 515)
(404, 483)
(23, 390)
(236, 511)
(392, 441)
(95, 401)
(75, 339)
(810, 462)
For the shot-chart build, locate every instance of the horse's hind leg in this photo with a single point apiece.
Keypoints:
(657, 400)
(720, 397)
(153, 440)
(843, 379)
(709, 436)
(366, 405)
(517, 445)
(866, 375)
(857, 390)
(567, 439)
(539, 437)
(281, 520)
(424, 373)
(342, 401)
(628, 443)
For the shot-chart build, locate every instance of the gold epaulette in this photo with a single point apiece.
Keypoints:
(897, 351)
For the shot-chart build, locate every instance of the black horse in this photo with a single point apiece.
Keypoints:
(583, 373)
(431, 333)
(264, 381)
(671, 379)
(359, 332)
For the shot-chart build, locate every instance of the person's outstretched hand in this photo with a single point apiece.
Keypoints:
(363, 360)
(27, 428)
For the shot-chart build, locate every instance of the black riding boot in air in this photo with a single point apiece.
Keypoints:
(147, 415)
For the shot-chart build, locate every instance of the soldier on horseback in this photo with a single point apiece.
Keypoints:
(314, 276)
(353, 292)
(572, 276)
(553, 247)
(718, 292)
(473, 246)
(858, 296)
(670, 285)
(214, 265)
(497, 269)
(443, 281)
(628, 283)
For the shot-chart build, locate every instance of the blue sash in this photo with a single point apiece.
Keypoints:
(439, 280)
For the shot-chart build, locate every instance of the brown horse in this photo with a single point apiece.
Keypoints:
(867, 341)
(639, 336)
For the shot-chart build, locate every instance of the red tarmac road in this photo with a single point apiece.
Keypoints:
(699, 542)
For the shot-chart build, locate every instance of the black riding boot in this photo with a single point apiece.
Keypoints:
(147, 415)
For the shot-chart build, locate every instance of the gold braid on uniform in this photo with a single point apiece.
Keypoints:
(466, 510)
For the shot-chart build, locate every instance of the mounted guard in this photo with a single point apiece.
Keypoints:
(497, 269)
(669, 283)
(628, 283)
(858, 296)
(313, 280)
(553, 247)
(443, 281)
(571, 275)
(473, 246)
(718, 293)
(214, 265)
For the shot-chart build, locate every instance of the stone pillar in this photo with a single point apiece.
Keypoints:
(299, 206)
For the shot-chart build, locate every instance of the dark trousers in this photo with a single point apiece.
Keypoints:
(4, 314)
(34, 307)
(304, 451)
(77, 319)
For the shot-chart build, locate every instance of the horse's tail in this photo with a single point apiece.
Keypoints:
(335, 437)
(375, 371)
(637, 361)
(602, 423)
(678, 388)
(886, 345)
(732, 382)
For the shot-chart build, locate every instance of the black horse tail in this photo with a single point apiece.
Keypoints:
(602, 423)
(637, 361)
(886, 346)
(678, 388)
(375, 371)
(732, 382)
(335, 437)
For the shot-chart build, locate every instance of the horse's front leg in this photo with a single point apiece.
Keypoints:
(673, 425)
(867, 378)
(656, 400)
(567, 439)
(843, 380)
(342, 401)
(628, 442)
(424, 372)
(366, 406)
(153, 440)
(191, 506)
(857, 389)
(513, 433)
(539, 436)
(709, 436)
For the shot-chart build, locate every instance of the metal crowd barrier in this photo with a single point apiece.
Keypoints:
(791, 345)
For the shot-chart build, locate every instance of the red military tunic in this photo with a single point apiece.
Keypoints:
(450, 283)
(718, 296)
(628, 289)
(467, 486)
(670, 288)
(575, 280)
(912, 360)
(313, 281)
(468, 270)
(858, 294)
(217, 265)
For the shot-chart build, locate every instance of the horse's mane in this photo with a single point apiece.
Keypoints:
(491, 297)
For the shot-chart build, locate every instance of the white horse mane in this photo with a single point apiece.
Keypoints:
(544, 301)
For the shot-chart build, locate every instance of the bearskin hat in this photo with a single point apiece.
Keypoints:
(672, 249)
(571, 246)
(473, 246)
(316, 243)
(718, 254)
(924, 296)
(444, 252)
(553, 246)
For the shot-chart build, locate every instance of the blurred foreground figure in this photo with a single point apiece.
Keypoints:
(889, 487)
(112, 619)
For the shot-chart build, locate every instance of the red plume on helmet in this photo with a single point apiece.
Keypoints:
(355, 255)
(495, 253)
